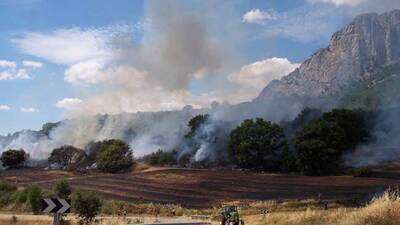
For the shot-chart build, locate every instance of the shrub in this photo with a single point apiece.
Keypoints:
(114, 156)
(62, 189)
(258, 144)
(13, 158)
(34, 197)
(161, 158)
(87, 205)
(21, 196)
(6, 187)
(6, 192)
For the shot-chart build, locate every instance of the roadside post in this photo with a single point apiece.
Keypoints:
(58, 206)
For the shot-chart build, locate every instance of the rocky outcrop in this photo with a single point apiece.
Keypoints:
(369, 42)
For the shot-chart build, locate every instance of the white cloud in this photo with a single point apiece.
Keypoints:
(28, 110)
(10, 71)
(32, 64)
(4, 107)
(69, 103)
(85, 72)
(258, 74)
(85, 51)
(339, 2)
(67, 46)
(258, 16)
(13, 74)
(7, 64)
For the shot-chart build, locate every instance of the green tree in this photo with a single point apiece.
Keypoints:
(48, 127)
(114, 156)
(87, 205)
(13, 158)
(258, 144)
(319, 146)
(195, 123)
(352, 122)
(62, 189)
(66, 155)
(34, 197)
(321, 142)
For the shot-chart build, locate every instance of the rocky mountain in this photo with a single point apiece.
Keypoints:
(356, 54)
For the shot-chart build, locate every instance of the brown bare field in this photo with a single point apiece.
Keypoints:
(195, 188)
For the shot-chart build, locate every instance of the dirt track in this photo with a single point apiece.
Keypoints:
(205, 188)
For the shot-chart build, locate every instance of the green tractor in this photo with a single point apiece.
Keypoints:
(230, 215)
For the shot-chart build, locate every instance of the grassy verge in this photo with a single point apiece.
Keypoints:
(383, 210)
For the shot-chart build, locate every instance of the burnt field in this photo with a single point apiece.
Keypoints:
(206, 188)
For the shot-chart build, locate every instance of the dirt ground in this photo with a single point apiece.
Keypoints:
(206, 188)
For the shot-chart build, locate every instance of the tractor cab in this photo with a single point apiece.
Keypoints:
(230, 215)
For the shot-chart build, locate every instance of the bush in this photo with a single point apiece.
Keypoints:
(21, 196)
(114, 156)
(34, 197)
(258, 144)
(13, 158)
(62, 189)
(6, 192)
(66, 155)
(87, 205)
(6, 187)
(161, 158)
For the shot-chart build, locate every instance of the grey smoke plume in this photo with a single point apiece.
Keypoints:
(181, 49)
(139, 75)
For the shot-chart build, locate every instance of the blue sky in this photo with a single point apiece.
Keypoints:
(61, 59)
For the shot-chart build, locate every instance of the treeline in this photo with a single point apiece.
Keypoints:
(109, 156)
(314, 143)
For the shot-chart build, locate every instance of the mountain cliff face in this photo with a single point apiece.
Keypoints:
(371, 41)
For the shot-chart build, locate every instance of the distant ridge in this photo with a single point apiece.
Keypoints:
(371, 41)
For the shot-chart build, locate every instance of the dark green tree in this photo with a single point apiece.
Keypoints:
(114, 156)
(258, 144)
(195, 123)
(62, 189)
(353, 123)
(13, 158)
(87, 205)
(320, 145)
(66, 155)
(48, 127)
